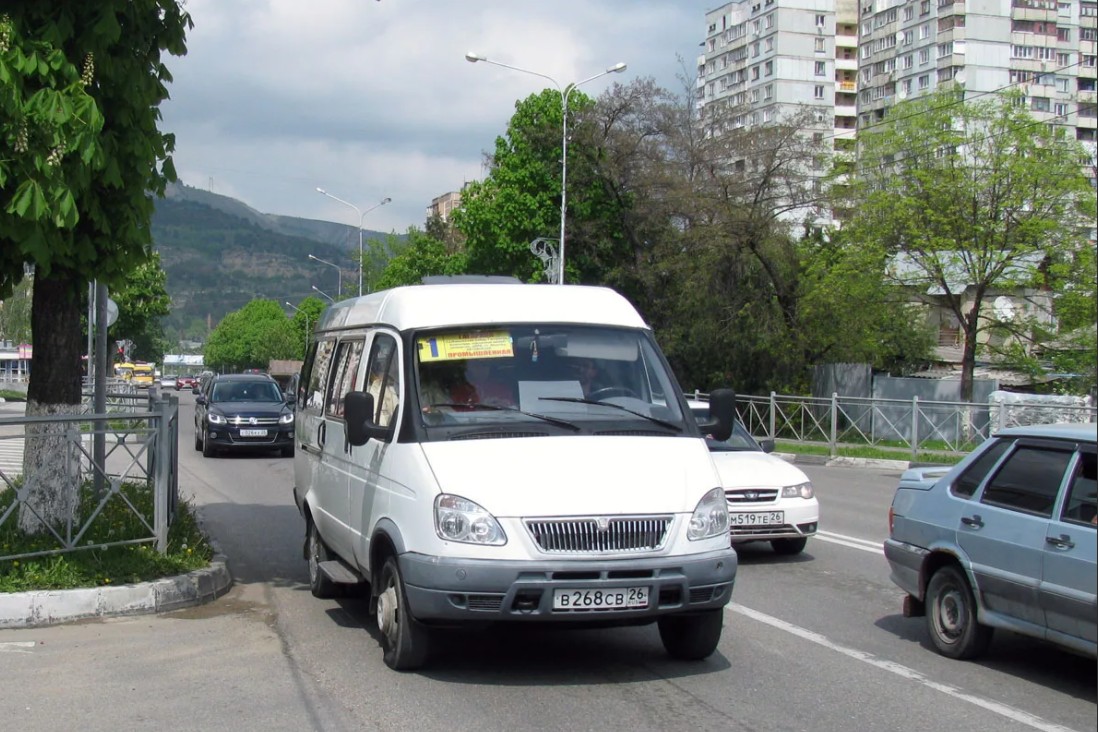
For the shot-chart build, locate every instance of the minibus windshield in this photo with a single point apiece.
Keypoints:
(572, 373)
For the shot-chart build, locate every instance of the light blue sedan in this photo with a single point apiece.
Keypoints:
(1004, 539)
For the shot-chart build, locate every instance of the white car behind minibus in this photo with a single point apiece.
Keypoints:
(500, 452)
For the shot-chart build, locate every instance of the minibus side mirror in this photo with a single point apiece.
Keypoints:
(722, 414)
(358, 410)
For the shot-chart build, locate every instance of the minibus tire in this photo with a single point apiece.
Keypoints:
(317, 552)
(691, 637)
(404, 641)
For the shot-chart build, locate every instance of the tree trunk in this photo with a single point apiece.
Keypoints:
(51, 466)
(968, 355)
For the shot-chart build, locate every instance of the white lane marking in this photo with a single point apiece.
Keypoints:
(1004, 710)
(16, 646)
(851, 541)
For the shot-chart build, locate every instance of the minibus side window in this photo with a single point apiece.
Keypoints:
(314, 376)
(344, 376)
(383, 380)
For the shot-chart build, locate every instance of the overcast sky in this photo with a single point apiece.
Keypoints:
(374, 98)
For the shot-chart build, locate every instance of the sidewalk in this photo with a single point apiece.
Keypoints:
(51, 607)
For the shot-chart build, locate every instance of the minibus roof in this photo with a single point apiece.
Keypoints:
(451, 305)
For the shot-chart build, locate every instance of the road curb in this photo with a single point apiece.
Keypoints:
(844, 462)
(51, 607)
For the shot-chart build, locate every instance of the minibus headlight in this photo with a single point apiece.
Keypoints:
(459, 519)
(710, 518)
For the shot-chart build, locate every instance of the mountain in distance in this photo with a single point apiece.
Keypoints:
(219, 253)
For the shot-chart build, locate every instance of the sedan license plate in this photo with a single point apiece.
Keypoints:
(615, 598)
(758, 518)
(253, 433)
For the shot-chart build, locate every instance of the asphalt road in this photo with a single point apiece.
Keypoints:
(814, 642)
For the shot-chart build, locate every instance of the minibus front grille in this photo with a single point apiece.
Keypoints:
(593, 534)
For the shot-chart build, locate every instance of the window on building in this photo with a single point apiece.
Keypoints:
(909, 61)
(768, 68)
(924, 7)
(754, 73)
(821, 45)
(1088, 34)
(769, 21)
(909, 12)
(1064, 59)
(818, 91)
(768, 92)
(769, 44)
(1060, 109)
(909, 37)
(821, 68)
(821, 20)
(924, 31)
(924, 82)
(924, 56)
(905, 86)
(1040, 104)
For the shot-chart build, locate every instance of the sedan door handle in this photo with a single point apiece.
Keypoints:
(1063, 541)
(974, 521)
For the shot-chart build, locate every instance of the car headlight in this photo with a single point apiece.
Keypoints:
(710, 518)
(216, 418)
(286, 418)
(459, 519)
(801, 490)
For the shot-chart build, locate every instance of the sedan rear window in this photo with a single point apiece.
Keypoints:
(968, 481)
(1029, 480)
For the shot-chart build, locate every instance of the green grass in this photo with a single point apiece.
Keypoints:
(865, 451)
(13, 396)
(96, 566)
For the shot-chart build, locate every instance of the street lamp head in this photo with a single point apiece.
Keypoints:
(473, 57)
(616, 68)
(386, 200)
(321, 191)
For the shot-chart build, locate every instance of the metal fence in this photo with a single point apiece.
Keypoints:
(912, 424)
(103, 459)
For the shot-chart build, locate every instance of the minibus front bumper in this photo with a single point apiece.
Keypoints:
(596, 590)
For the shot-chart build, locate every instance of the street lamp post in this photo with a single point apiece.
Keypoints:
(361, 218)
(339, 269)
(565, 92)
(322, 293)
(299, 310)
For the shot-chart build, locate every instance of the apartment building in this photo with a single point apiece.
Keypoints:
(766, 60)
(1046, 48)
(853, 59)
(442, 206)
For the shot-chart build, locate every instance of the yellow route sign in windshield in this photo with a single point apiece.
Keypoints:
(476, 344)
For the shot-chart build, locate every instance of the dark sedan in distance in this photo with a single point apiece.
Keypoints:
(243, 412)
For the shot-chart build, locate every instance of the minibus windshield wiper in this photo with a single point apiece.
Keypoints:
(495, 408)
(577, 400)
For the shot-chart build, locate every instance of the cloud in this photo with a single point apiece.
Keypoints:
(372, 99)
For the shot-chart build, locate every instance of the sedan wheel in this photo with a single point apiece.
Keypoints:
(951, 616)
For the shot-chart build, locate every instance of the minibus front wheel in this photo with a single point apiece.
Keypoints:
(403, 639)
